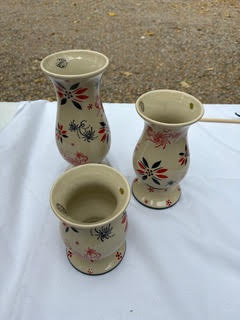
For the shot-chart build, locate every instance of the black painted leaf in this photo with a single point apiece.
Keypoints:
(60, 85)
(156, 164)
(145, 162)
(65, 136)
(74, 86)
(66, 230)
(63, 101)
(144, 177)
(181, 154)
(155, 180)
(74, 229)
(77, 105)
(61, 139)
(103, 124)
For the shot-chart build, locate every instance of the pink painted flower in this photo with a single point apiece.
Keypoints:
(125, 220)
(150, 189)
(92, 255)
(162, 138)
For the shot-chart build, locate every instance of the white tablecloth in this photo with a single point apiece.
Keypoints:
(181, 263)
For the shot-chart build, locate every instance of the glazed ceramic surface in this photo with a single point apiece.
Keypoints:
(82, 131)
(161, 157)
(91, 201)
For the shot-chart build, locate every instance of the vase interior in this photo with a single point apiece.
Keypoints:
(169, 107)
(90, 194)
(81, 63)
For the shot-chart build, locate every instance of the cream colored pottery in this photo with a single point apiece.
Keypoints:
(91, 201)
(82, 131)
(161, 157)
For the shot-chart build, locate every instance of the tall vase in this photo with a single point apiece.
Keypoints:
(161, 157)
(82, 131)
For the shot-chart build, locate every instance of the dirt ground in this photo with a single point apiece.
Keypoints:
(188, 45)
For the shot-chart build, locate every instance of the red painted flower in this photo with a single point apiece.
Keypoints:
(125, 220)
(168, 203)
(79, 158)
(184, 156)
(74, 93)
(155, 172)
(60, 133)
(162, 138)
(90, 271)
(104, 130)
(92, 255)
(90, 106)
(69, 253)
(119, 255)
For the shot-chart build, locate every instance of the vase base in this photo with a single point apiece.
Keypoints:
(154, 198)
(96, 267)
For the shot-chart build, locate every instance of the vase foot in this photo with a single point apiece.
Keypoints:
(154, 198)
(96, 267)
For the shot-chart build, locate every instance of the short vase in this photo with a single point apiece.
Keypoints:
(90, 201)
(82, 131)
(161, 157)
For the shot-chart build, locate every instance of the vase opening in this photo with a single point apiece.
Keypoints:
(74, 63)
(169, 107)
(89, 195)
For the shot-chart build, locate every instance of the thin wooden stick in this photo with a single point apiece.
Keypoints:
(220, 120)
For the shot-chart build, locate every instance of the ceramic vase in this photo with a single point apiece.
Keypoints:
(91, 201)
(161, 157)
(82, 131)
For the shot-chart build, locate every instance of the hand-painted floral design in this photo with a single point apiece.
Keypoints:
(103, 233)
(92, 255)
(168, 203)
(83, 130)
(60, 133)
(125, 220)
(155, 172)
(119, 255)
(99, 106)
(67, 228)
(162, 138)
(61, 208)
(104, 130)
(69, 253)
(90, 106)
(184, 156)
(150, 189)
(74, 93)
(90, 271)
(77, 160)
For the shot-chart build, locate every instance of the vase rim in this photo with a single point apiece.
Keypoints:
(79, 75)
(169, 124)
(93, 168)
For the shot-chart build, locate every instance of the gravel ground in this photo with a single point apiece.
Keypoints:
(188, 45)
